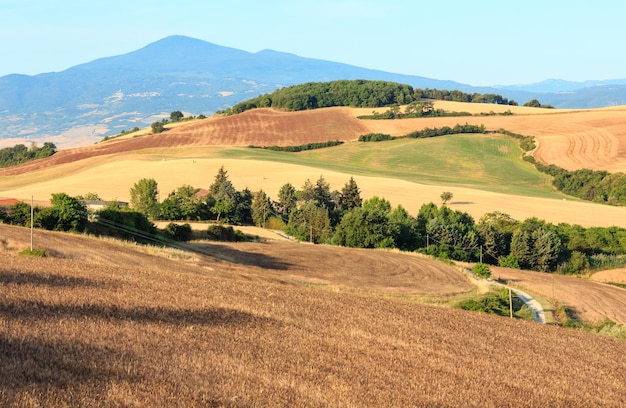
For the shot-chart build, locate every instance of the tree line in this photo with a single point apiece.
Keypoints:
(358, 94)
(317, 214)
(10, 156)
(592, 185)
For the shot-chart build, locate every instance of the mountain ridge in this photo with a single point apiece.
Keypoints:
(110, 94)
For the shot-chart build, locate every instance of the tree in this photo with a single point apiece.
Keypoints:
(533, 103)
(144, 197)
(261, 209)
(225, 201)
(176, 116)
(157, 127)
(220, 178)
(446, 196)
(307, 193)
(66, 214)
(184, 204)
(309, 223)
(350, 196)
(367, 226)
(323, 196)
(287, 201)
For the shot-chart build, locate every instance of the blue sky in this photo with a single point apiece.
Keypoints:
(474, 42)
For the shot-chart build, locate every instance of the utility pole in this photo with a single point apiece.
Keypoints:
(32, 222)
(510, 303)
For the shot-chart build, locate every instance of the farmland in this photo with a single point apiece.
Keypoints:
(279, 323)
(483, 171)
(104, 323)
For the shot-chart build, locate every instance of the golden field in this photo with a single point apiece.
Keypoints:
(190, 154)
(106, 324)
(102, 323)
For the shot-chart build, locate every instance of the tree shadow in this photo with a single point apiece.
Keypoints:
(27, 362)
(28, 309)
(462, 202)
(232, 255)
(34, 278)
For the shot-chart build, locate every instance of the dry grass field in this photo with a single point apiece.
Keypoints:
(190, 154)
(113, 176)
(590, 299)
(105, 324)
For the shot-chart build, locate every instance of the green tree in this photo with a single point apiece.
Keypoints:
(446, 196)
(184, 204)
(322, 194)
(310, 223)
(482, 270)
(157, 127)
(367, 226)
(144, 197)
(533, 103)
(261, 209)
(224, 201)
(220, 178)
(307, 193)
(287, 201)
(66, 214)
(176, 116)
(350, 196)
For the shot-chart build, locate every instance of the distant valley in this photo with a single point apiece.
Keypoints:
(81, 105)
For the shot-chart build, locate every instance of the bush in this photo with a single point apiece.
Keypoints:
(497, 303)
(375, 137)
(481, 270)
(224, 233)
(509, 261)
(179, 232)
(34, 252)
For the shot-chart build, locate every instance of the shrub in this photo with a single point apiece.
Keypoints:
(34, 252)
(179, 232)
(481, 270)
(509, 261)
(224, 233)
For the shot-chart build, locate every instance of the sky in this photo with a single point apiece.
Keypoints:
(473, 42)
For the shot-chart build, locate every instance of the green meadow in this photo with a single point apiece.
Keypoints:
(485, 162)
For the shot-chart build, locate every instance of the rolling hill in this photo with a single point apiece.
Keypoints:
(192, 152)
(107, 323)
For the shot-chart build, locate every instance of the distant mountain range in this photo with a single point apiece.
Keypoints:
(86, 102)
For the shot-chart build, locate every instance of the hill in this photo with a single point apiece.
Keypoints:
(82, 104)
(104, 323)
(191, 153)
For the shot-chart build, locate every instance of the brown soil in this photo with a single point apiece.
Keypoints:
(103, 324)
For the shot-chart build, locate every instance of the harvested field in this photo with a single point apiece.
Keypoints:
(571, 139)
(145, 331)
(112, 177)
(613, 275)
(592, 301)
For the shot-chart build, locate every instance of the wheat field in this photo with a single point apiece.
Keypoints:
(105, 324)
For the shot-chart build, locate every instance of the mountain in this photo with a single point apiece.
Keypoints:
(86, 102)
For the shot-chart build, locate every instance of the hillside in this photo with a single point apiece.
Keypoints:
(191, 153)
(99, 323)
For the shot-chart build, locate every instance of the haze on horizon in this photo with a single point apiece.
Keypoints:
(477, 43)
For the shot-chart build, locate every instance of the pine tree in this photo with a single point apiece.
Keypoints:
(350, 196)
